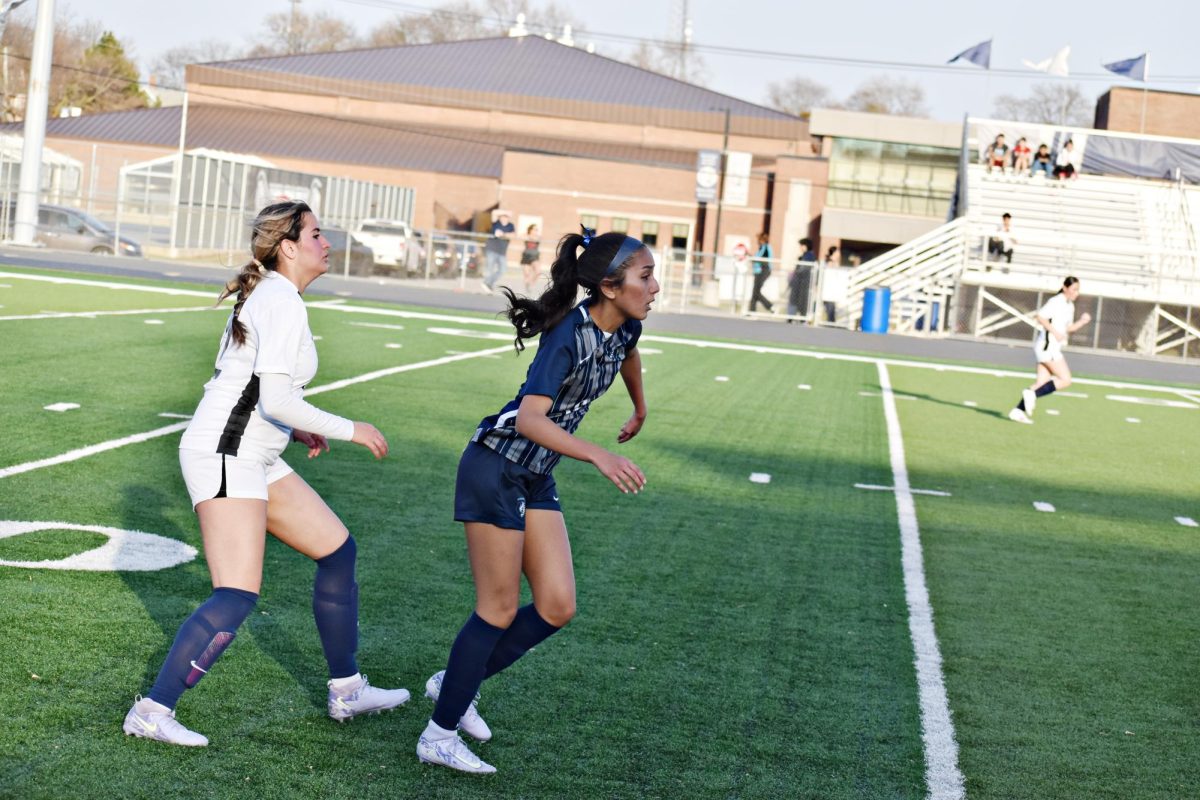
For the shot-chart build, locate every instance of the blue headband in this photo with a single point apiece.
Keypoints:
(627, 248)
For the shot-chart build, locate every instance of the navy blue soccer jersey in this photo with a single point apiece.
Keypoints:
(575, 363)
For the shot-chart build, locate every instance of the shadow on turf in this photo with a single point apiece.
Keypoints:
(987, 412)
(167, 596)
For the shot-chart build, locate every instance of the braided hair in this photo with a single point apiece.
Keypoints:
(571, 269)
(272, 225)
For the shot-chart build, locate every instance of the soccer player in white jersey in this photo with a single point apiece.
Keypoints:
(1056, 322)
(505, 494)
(241, 488)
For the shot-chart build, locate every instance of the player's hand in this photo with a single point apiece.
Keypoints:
(621, 471)
(630, 429)
(1085, 318)
(315, 442)
(369, 437)
(1062, 337)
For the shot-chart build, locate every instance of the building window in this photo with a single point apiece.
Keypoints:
(679, 236)
(589, 220)
(620, 224)
(910, 179)
(650, 233)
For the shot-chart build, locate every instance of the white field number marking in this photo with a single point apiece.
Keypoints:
(125, 551)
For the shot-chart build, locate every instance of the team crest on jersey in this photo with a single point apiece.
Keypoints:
(521, 507)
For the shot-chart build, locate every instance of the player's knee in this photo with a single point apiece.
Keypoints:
(498, 613)
(1062, 382)
(558, 610)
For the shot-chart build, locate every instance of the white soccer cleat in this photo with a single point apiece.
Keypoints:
(453, 753)
(152, 720)
(363, 698)
(470, 723)
(1017, 415)
(1030, 399)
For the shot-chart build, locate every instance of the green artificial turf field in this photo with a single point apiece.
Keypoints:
(735, 639)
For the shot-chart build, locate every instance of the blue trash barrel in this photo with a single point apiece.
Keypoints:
(877, 303)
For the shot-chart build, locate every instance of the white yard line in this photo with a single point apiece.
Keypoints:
(92, 314)
(90, 450)
(942, 776)
(342, 305)
(130, 287)
(102, 447)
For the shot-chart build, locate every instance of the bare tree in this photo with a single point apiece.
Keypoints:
(72, 38)
(296, 31)
(670, 59)
(468, 19)
(170, 67)
(884, 95)
(1049, 103)
(799, 96)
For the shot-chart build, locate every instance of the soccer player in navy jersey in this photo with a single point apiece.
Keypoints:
(241, 488)
(505, 493)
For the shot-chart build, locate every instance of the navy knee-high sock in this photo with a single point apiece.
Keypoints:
(200, 641)
(1045, 389)
(465, 669)
(527, 629)
(335, 608)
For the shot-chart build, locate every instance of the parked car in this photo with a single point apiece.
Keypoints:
(396, 248)
(362, 258)
(66, 228)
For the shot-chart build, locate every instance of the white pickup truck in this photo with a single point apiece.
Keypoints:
(393, 243)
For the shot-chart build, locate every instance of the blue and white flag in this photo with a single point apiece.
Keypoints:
(980, 54)
(1134, 68)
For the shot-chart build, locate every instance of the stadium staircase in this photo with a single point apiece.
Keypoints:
(1125, 239)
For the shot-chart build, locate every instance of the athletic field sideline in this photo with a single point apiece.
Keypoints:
(849, 576)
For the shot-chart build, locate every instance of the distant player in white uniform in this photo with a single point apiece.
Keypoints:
(241, 488)
(1056, 322)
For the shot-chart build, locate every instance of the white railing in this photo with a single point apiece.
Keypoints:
(919, 274)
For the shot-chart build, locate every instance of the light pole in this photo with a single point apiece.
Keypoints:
(35, 126)
(720, 193)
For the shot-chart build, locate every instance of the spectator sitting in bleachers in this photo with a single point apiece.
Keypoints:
(1001, 242)
(1021, 154)
(1064, 165)
(1042, 162)
(996, 154)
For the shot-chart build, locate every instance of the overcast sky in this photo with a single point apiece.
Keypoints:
(923, 32)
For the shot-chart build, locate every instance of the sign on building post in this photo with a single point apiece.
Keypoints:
(708, 173)
(737, 179)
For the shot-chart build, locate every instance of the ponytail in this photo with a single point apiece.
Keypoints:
(603, 260)
(242, 285)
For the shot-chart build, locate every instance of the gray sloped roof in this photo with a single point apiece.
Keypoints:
(526, 73)
(282, 134)
(376, 143)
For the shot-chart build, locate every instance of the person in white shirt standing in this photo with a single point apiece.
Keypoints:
(240, 487)
(1056, 322)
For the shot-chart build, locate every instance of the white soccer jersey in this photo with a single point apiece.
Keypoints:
(230, 419)
(1060, 313)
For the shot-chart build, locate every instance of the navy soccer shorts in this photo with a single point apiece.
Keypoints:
(492, 489)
